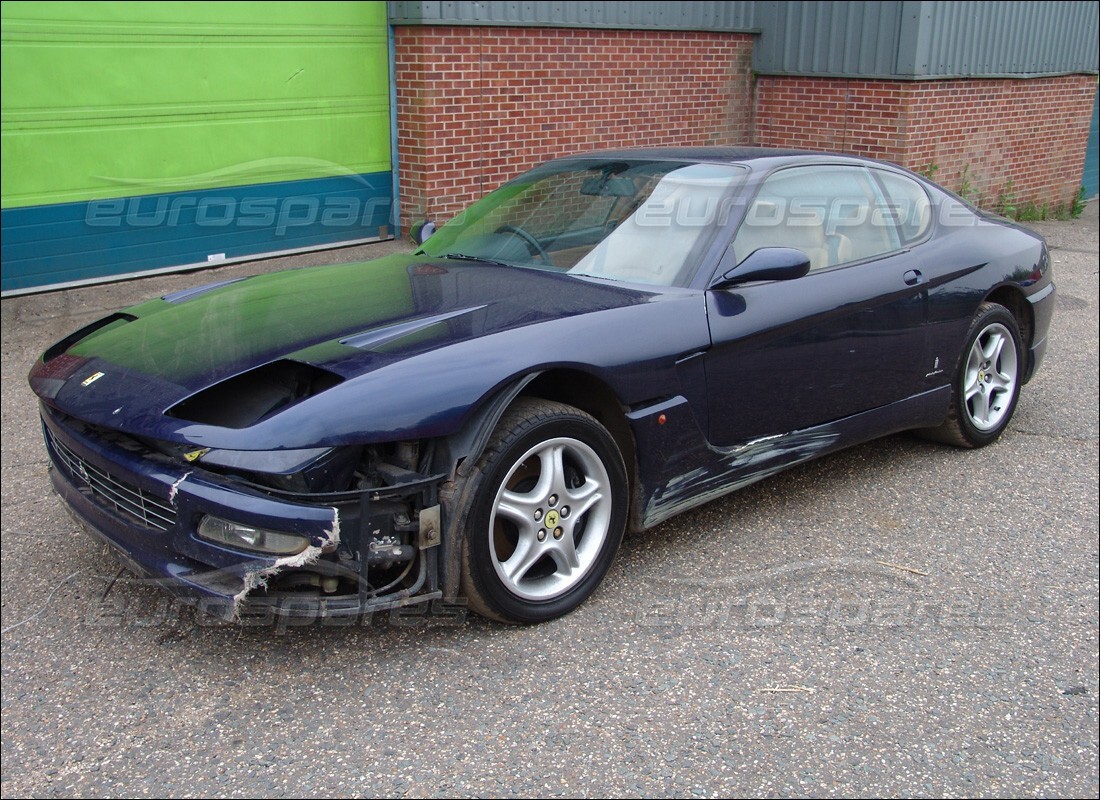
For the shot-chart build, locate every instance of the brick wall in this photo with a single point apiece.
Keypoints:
(862, 117)
(1033, 131)
(478, 105)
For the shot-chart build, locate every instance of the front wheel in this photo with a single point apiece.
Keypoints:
(987, 380)
(545, 513)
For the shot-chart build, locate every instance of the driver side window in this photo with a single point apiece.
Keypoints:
(827, 212)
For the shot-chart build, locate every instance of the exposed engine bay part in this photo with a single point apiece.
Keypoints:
(384, 552)
(249, 397)
(260, 577)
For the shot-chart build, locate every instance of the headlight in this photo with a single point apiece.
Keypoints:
(274, 462)
(246, 537)
(320, 469)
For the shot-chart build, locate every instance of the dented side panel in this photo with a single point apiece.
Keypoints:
(680, 470)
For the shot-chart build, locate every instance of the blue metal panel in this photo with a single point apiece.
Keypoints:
(56, 244)
(1091, 178)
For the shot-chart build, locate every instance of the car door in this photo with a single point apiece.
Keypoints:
(847, 337)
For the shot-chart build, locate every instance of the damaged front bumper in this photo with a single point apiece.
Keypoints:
(367, 550)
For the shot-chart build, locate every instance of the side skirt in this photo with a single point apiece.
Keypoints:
(709, 472)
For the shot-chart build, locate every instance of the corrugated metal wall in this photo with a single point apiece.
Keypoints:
(978, 38)
(709, 16)
(927, 39)
(899, 39)
(828, 38)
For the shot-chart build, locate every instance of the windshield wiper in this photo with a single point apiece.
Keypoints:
(464, 257)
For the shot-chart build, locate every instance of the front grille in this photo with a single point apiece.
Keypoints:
(129, 501)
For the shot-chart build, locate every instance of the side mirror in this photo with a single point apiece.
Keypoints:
(421, 231)
(765, 264)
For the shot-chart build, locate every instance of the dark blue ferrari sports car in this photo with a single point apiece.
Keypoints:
(603, 342)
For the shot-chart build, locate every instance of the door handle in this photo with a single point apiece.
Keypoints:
(912, 277)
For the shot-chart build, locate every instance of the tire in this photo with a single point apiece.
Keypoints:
(543, 513)
(987, 381)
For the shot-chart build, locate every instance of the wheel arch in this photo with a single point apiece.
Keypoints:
(958, 428)
(572, 387)
(1017, 304)
(591, 395)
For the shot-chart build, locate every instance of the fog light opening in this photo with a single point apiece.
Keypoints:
(248, 537)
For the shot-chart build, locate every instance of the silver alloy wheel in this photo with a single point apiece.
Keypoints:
(550, 518)
(990, 377)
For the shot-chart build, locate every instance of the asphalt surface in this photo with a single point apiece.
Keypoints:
(899, 619)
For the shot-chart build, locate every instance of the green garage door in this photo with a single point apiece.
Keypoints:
(150, 136)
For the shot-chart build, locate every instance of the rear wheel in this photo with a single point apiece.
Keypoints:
(987, 380)
(546, 509)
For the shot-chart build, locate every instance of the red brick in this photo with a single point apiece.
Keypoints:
(585, 89)
(1032, 131)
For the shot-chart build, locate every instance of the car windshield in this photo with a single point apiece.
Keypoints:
(636, 221)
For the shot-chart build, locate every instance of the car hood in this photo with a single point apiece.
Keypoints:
(348, 320)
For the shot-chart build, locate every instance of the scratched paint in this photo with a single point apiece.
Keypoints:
(729, 469)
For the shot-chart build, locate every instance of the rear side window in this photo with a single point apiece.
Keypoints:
(831, 213)
(909, 205)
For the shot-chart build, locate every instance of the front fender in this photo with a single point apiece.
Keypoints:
(456, 453)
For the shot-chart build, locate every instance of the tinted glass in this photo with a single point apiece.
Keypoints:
(909, 205)
(834, 214)
(637, 221)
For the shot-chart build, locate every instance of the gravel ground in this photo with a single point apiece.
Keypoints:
(898, 619)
